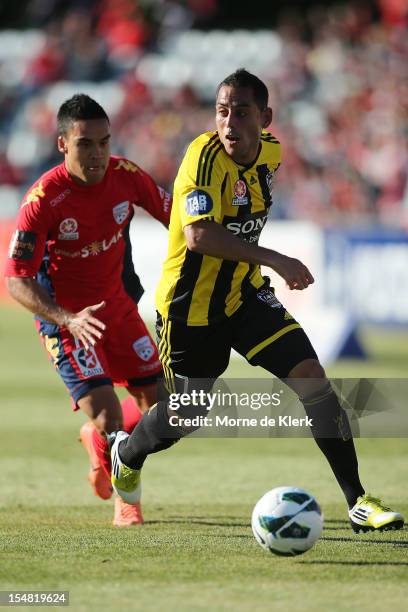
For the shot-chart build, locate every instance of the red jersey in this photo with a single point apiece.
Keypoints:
(71, 237)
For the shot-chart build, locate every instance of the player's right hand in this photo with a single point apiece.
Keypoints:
(84, 326)
(293, 271)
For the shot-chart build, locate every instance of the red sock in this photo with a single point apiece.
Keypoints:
(101, 448)
(131, 416)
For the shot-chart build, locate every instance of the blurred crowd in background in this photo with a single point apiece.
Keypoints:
(337, 77)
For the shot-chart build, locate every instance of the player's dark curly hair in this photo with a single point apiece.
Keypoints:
(243, 78)
(78, 108)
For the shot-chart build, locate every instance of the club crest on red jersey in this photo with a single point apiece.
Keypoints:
(121, 212)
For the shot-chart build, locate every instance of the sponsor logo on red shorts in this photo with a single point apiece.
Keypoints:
(88, 362)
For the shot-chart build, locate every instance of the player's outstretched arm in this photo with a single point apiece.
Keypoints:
(82, 325)
(210, 238)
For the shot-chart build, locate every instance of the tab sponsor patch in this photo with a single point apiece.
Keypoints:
(198, 202)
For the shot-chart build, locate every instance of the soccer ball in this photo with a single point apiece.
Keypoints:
(287, 521)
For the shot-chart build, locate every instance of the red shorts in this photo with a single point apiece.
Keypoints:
(125, 356)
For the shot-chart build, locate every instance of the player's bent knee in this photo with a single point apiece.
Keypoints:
(307, 377)
(106, 423)
(145, 396)
(309, 368)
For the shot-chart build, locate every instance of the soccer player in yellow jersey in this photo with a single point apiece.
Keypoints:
(212, 298)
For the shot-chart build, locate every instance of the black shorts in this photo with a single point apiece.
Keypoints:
(261, 330)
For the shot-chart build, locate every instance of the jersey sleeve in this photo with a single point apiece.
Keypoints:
(28, 241)
(130, 279)
(198, 186)
(152, 198)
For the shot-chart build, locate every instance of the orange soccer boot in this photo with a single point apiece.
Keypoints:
(98, 478)
(127, 514)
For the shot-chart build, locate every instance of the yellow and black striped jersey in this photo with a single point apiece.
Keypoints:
(199, 289)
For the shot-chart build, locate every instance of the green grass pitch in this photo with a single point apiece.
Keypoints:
(196, 550)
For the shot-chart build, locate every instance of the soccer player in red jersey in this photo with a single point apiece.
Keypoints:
(70, 264)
